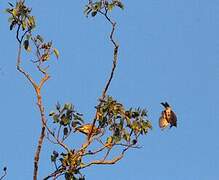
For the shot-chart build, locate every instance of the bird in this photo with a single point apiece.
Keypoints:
(86, 129)
(168, 117)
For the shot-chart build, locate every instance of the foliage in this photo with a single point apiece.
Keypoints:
(94, 7)
(113, 129)
(117, 127)
(21, 19)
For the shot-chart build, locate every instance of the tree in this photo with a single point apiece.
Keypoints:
(114, 128)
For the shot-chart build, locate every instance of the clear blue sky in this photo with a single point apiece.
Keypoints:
(169, 51)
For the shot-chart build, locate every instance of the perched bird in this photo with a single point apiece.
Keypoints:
(168, 117)
(86, 129)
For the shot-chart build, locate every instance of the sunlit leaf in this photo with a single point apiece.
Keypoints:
(45, 57)
(31, 22)
(64, 120)
(110, 6)
(56, 52)
(126, 136)
(24, 25)
(55, 118)
(39, 38)
(14, 12)
(68, 106)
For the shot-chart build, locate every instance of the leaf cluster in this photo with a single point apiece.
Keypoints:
(123, 124)
(21, 19)
(95, 7)
(67, 118)
(69, 164)
(44, 50)
(20, 16)
(118, 127)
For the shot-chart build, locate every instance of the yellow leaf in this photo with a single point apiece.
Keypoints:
(45, 57)
(56, 52)
(14, 12)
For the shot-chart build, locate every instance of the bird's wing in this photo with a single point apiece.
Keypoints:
(173, 119)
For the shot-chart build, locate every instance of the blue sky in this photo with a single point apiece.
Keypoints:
(169, 51)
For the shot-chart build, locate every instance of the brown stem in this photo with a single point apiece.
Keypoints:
(104, 162)
(20, 69)
(39, 103)
(115, 59)
(112, 71)
(42, 134)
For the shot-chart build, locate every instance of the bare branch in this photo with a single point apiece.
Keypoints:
(104, 162)
(55, 174)
(39, 102)
(22, 70)
(43, 80)
(57, 139)
(94, 152)
(115, 59)
(17, 34)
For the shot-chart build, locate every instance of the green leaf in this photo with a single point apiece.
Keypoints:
(56, 52)
(134, 141)
(52, 113)
(55, 118)
(144, 112)
(64, 120)
(97, 6)
(109, 140)
(28, 36)
(87, 10)
(75, 123)
(40, 38)
(126, 136)
(24, 25)
(94, 13)
(53, 158)
(56, 154)
(120, 5)
(110, 6)
(65, 131)
(26, 45)
(116, 139)
(31, 22)
(68, 106)
(13, 24)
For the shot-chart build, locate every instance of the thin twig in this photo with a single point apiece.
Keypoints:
(115, 59)
(104, 162)
(94, 152)
(5, 173)
(56, 174)
(22, 70)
